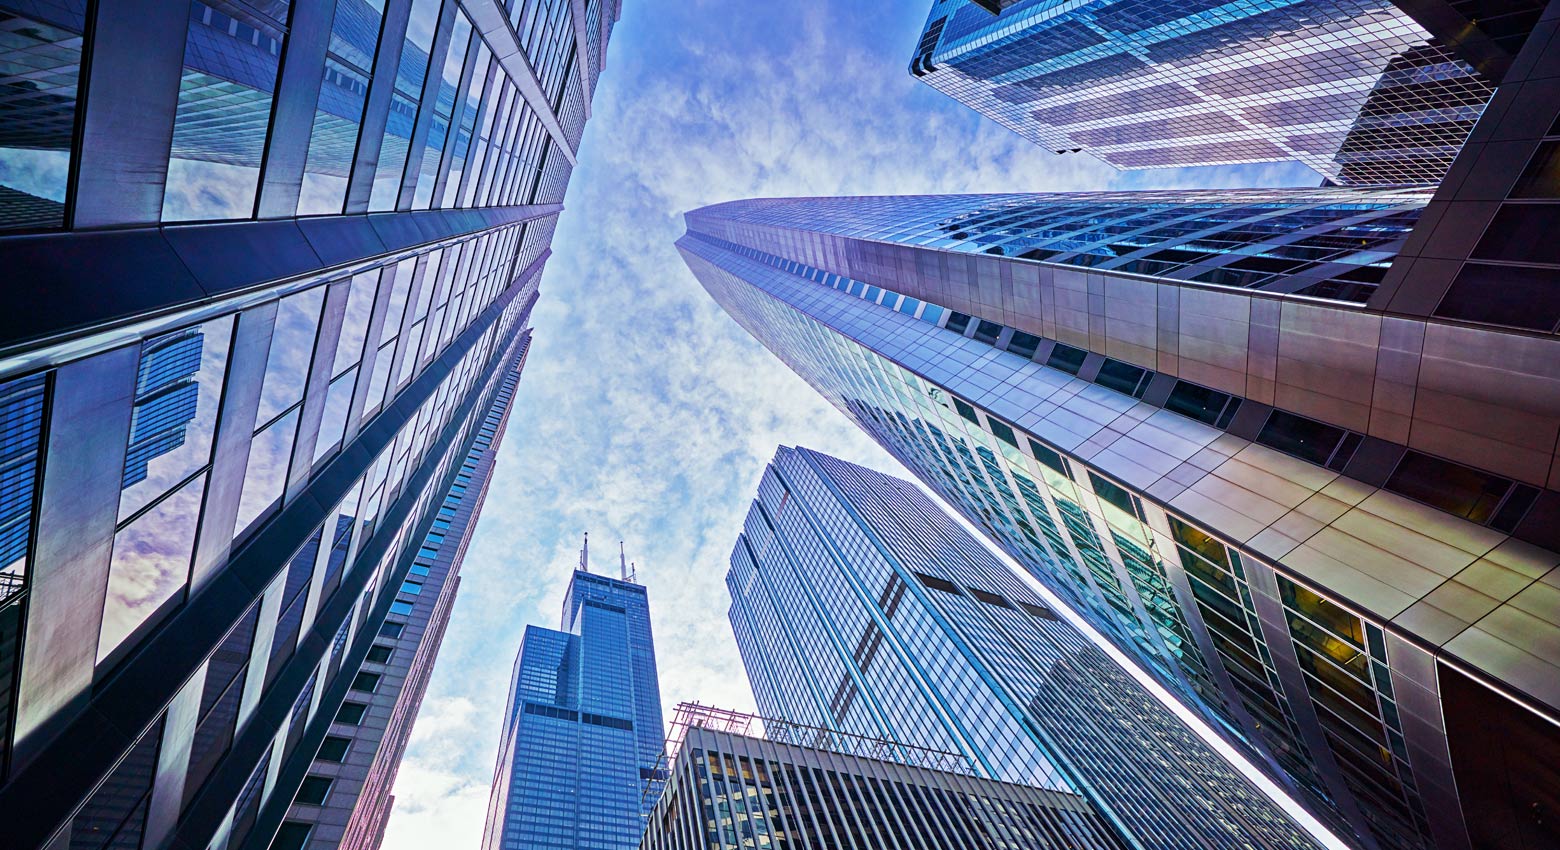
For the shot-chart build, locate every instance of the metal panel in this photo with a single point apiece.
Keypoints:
(297, 95)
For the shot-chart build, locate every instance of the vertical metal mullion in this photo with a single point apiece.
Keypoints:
(129, 95)
(427, 105)
(376, 111)
(297, 97)
(457, 114)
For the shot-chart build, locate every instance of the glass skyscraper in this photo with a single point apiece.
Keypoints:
(270, 267)
(1359, 90)
(582, 734)
(1330, 530)
(859, 606)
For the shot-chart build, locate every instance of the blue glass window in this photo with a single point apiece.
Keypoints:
(150, 565)
(40, 63)
(354, 40)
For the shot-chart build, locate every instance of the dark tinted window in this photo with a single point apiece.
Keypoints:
(292, 836)
(1522, 233)
(1066, 358)
(334, 749)
(1003, 432)
(1304, 438)
(1541, 178)
(988, 332)
(1110, 492)
(379, 654)
(1023, 344)
(351, 713)
(966, 410)
(990, 598)
(1048, 457)
(1200, 403)
(957, 322)
(1503, 295)
(1124, 378)
(936, 583)
(368, 682)
(313, 790)
(1452, 487)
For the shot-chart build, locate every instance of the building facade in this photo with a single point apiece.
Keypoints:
(272, 265)
(793, 787)
(859, 606)
(1329, 530)
(582, 733)
(345, 799)
(1365, 92)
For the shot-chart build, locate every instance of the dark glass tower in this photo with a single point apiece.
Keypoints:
(270, 266)
(1329, 530)
(582, 733)
(858, 605)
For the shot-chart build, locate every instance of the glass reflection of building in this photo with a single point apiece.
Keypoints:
(230, 452)
(1358, 90)
(1328, 530)
(582, 733)
(860, 606)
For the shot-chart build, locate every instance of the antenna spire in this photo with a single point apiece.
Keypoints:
(585, 554)
(622, 562)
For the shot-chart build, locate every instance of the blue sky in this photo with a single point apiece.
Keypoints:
(645, 414)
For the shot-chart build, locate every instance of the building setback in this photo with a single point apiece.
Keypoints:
(582, 732)
(795, 787)
(859, 606)
(1365, 92)
(1330, 531)
(271, 266)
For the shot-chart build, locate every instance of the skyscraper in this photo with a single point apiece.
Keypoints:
(1366, 92)
(345, 799)
(582, 733)
(859, 606)
(746, 781)
(271, 266)
(1329, 530)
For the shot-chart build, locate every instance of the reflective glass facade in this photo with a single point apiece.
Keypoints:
(859, 606)
(355, 766)
(1355, 89)
(583, 730)
(729, 791)
(1214, 479)
(231, 450)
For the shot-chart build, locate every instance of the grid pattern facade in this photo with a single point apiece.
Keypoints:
(734, 791)
(230, 451)
(345, 800)
(1051, 448)
(583, 730)
(1355, 89)
(398, 105)
(1324, 243)
(859, 606)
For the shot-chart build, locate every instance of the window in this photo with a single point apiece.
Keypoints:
(1300, 436)
(411, 588)
(391, 630)
(1124, 378)
(957, 322)
(1541, 178)
(292, 836)
(379, 653)
(1521, 233)
(401, 608)
(351, 713)
(366, 682)
(988, 332)
(1527, 296)
(313, 790)
(1204, 405)
(990, 598)
(334, 749)
(1040, 611)
(1452, 487)
(1066, 358)
(1113, 494)
(1024, 345)
(1003, 432)
(1049, 458)
(936, 583)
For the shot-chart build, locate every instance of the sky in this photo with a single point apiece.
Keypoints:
(645, 414)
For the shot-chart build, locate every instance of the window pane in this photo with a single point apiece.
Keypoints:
(333, 140)
(354, 325)
(333, 423)
(40, 62)
(403, 106)
(468, 121)
(177, 390)
(150, 564)
(219, 130)
(292, 347)
(444, 107)
(1541, 178)
(21, 430)
(266, 475)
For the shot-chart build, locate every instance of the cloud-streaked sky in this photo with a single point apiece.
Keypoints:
(645, 414)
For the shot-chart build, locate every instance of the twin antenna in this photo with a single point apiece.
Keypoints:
(627, 570)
